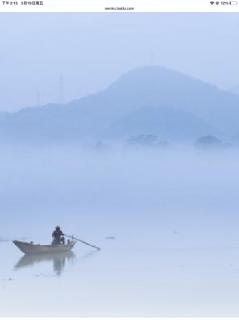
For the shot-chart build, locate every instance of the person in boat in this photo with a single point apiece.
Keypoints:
(58, 236)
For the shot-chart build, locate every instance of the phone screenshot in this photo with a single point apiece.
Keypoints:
(119, 152)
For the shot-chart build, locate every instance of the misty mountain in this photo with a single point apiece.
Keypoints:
(166, 122)
(152, 99)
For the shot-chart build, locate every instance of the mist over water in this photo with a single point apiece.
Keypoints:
(166, 220)
(164, 214)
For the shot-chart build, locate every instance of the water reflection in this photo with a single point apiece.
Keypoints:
(58, 260)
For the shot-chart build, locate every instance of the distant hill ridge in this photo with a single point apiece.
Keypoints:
(154, 100)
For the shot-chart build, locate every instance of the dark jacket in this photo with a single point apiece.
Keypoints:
(57, 234)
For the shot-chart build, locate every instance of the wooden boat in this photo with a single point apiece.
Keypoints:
(31, 248)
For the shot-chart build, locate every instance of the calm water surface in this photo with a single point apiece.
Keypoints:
(173, 216)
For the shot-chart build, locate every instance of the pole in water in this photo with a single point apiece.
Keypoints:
(88, 244)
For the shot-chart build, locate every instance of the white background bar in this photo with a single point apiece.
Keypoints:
(118, 6)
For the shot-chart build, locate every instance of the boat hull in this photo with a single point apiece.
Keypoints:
(30, 248)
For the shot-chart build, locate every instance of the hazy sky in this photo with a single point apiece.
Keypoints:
(91, 50)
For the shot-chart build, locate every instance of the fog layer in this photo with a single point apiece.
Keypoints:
(166, 220)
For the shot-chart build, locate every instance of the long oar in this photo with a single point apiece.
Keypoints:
(88, 244)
